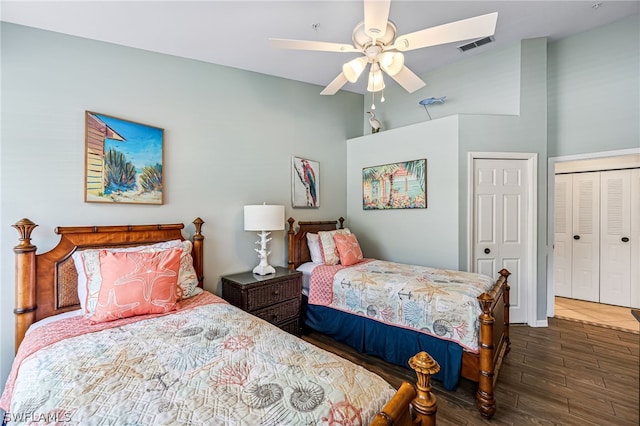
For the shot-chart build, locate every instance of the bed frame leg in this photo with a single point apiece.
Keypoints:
(25, 254)
(424, 404)
(505, 297)
(484, 396)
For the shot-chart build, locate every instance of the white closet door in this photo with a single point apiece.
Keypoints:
(615, 233)
(634, 239)
(500, 226)
(586, 237)
(563, 235)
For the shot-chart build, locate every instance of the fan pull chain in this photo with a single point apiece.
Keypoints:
(373, 105)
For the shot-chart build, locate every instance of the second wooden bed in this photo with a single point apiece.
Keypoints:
(493, 342)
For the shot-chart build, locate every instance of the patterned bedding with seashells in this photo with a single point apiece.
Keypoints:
(439, 302)
(209, 364)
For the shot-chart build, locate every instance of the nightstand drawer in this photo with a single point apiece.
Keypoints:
(281, 312)
(269, 294)
(292, 327)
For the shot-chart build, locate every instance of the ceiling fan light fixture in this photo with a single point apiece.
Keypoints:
(391, 62)
(354, 68)
(376, 82)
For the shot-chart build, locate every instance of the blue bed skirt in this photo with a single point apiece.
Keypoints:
(393, 344)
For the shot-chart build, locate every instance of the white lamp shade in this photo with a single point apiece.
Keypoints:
(376, 83)
(391, 62)
(354, 68)
(263, 218)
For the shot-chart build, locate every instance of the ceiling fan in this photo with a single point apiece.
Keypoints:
(376, 39)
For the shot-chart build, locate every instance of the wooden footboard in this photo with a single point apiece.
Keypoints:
(494, 344)
(412, 406)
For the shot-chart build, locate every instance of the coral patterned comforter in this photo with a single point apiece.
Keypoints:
(439, 302)
(209, 363)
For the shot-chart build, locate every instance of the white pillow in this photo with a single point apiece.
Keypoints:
(313, 241)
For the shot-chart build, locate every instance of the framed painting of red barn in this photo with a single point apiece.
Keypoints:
(305, 186)
(123, 161)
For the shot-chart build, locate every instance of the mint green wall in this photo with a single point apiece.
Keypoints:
(229, 139)
(428, 236)
(594, 90)
(493, 87)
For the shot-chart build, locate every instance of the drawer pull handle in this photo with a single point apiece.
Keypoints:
(276, 292)
(625, 239)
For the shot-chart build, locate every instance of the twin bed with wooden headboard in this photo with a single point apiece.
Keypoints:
(113, 327)
(368, 294)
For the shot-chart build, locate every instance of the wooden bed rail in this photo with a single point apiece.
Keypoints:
(411, 406)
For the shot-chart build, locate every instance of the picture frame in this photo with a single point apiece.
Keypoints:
(401, 185)
(305, 183)
(123, 161)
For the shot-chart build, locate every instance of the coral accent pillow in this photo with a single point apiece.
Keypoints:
(348, 249)
(328, 246)
(137, 283)
(87, 263)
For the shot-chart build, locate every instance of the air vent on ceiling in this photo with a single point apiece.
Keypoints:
(475, 44)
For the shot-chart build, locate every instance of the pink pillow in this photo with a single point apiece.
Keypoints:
(137, 283)
(348, 249)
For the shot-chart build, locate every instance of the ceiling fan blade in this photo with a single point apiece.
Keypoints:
(376, 15)
(477, 27)
(323, 46)
(335, 85)
(407, 79)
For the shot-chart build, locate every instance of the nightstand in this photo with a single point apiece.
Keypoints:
(274, 297)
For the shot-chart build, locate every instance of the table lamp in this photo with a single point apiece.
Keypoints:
(263, 218)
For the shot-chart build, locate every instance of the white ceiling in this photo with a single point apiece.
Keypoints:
(235, 33)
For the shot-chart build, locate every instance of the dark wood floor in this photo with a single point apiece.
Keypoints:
(566, 374)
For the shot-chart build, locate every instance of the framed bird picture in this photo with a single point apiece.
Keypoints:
(305, 183)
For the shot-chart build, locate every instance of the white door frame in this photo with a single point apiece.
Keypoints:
(551, 184)
(530, 292)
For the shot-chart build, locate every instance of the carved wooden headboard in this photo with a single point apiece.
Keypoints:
(298, 248)
(47, 284)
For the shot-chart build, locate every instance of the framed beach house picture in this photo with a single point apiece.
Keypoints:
(400, 185)
(123, 161)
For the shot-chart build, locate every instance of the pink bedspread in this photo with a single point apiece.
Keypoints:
(76, 326)
(207, 363)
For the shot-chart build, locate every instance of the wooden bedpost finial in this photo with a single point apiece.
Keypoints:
(504, 273)
(291, 221)
(198, 224)
(24, 227)
(425, 366)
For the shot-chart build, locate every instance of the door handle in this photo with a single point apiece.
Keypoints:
(625, 239)
(576, 237)
(487, 251)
